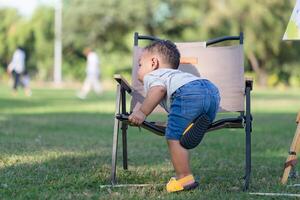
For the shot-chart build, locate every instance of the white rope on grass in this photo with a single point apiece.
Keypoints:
(130, 185)
(275, 194)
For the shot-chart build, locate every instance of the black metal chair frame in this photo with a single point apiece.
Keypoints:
(244, 120)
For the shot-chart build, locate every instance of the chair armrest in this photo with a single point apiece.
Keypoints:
(150, 126)
(225, 38)
(122, 81)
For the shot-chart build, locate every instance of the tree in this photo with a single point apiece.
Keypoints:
(263, 23)
(8, 23)
(42, 48)
(108, 27)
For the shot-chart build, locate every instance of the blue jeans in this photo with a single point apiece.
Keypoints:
(190, 101)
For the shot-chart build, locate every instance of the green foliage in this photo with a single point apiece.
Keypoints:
(9, 18)
(108, 27)
(42, 27)
(273, 80)
(35, 35)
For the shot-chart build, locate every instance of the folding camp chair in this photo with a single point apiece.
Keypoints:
(223, 65)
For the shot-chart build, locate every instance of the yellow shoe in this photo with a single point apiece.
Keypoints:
(175, 185)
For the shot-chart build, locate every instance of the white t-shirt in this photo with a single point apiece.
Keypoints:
(18, 61)
(92, 67)
(171, 79)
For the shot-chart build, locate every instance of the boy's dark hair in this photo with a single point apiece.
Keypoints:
(167, 50)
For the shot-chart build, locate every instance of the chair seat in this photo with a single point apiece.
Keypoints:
(227, 123)
(160, 130)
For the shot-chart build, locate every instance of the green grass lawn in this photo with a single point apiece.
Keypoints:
(54, 146)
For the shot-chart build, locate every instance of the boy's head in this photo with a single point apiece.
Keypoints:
(159, 54)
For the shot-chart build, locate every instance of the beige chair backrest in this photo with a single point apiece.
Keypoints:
(224, 66)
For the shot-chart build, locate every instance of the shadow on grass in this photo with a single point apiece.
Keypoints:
(27, 133)
(65, 174)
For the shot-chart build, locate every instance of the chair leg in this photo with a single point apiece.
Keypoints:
(248, 130)
(115, 139)
(114, 152)
(124, 130)
(248, 157)
(124, 142)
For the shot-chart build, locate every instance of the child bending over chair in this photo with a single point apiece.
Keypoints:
(183, 95)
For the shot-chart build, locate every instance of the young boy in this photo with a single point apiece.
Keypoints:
(183, 95)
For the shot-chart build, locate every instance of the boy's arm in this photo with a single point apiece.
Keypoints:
(153, 97)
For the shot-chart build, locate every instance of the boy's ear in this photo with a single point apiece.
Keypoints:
(155, 62)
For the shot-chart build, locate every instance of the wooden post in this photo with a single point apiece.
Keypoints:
(294, 149)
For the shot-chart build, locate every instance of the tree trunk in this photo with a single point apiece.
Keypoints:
(262, 75)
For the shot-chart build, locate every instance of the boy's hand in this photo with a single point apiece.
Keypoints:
(137, 117)
(153, 97)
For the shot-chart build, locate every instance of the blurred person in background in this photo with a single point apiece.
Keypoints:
(17, 70)
(92, 74)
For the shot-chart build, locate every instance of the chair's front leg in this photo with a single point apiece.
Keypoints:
(115, 138)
